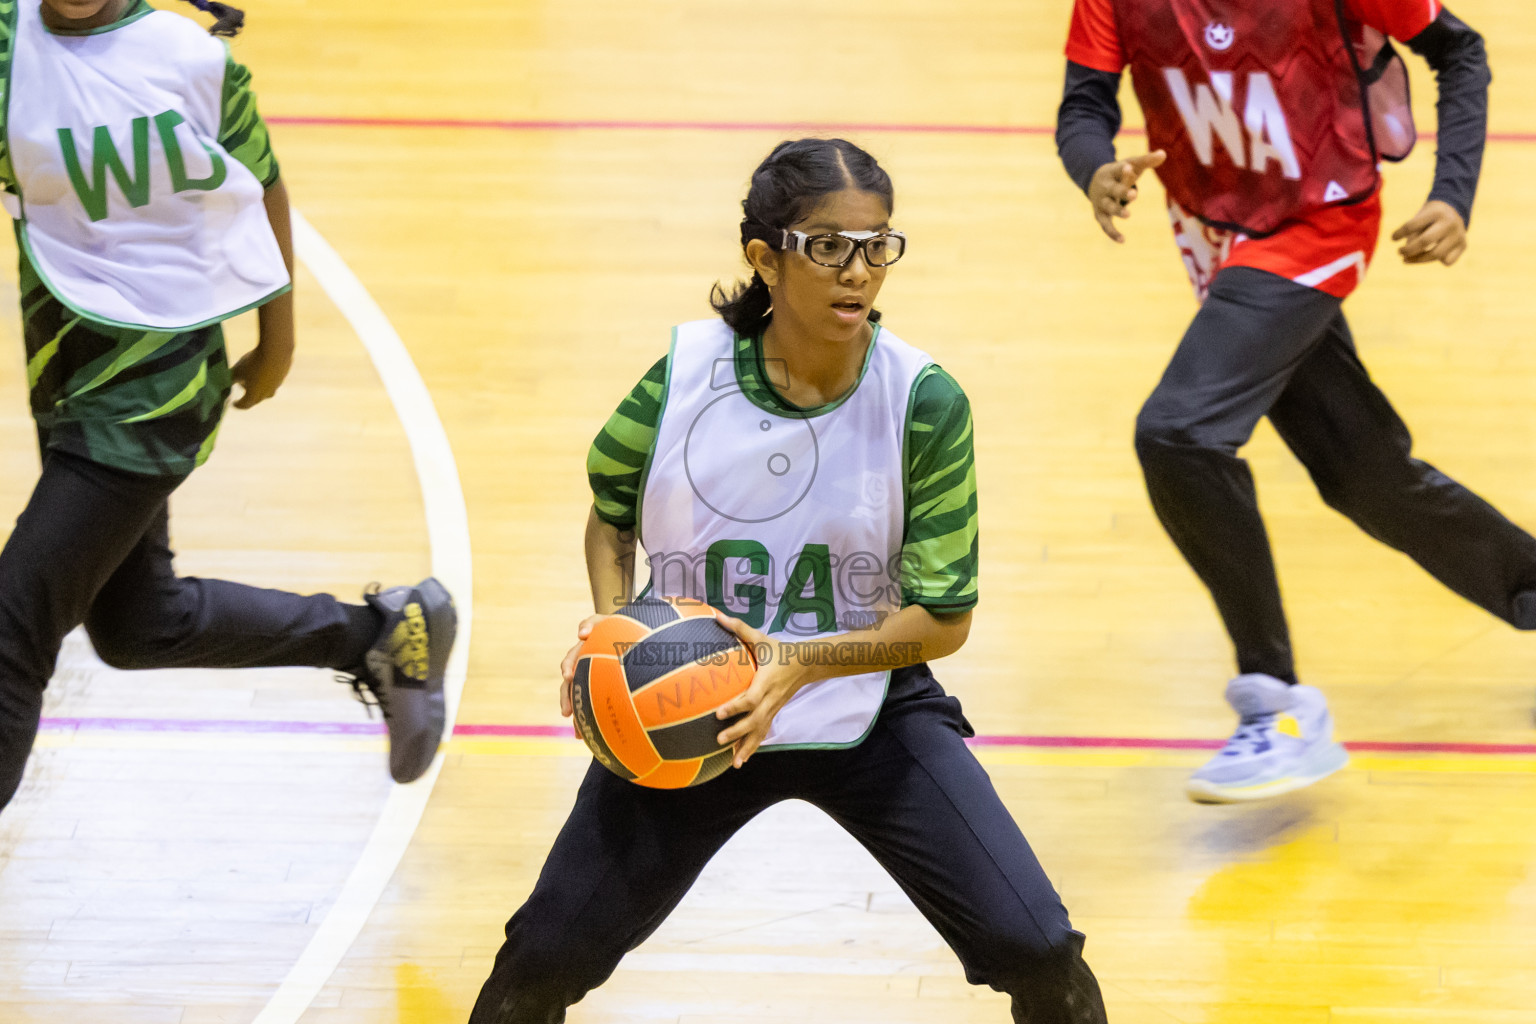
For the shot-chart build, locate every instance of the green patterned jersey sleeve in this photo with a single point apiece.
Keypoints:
(620, 449)
(8, 11)
(939, 554)
(242, 132)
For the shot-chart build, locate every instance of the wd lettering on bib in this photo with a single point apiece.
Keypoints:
(130, 208)
(135, 186)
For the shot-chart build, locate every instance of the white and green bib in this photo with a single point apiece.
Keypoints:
(792, 522)
(130, 209)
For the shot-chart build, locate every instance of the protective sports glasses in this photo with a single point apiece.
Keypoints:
(879, 248)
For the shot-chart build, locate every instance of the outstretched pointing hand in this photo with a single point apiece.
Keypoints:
(1113, 188)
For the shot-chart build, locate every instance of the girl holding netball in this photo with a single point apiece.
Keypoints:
(768, 452)
(1266, 124)
(148, 209)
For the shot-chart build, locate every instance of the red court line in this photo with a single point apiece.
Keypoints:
(535, 125)
(524, 125)
(1097, 742)
(1149, 743)
(257, 726)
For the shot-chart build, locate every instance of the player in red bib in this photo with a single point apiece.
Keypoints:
(1266, 124)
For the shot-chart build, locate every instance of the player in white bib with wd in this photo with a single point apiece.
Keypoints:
(149, 209)
(797, 464)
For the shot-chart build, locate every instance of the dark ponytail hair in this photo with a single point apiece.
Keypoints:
(230, 19)
(785, 188)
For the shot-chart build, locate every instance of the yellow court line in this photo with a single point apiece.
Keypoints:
(1450, 763)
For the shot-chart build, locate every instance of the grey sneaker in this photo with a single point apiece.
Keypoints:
(1284, 741)
(405, 668)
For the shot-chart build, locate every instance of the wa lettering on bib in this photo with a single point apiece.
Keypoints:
(130, 209)
(1209, 112)
(1267, 112)
(792, 522)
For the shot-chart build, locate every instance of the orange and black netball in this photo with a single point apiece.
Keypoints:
(649, 680)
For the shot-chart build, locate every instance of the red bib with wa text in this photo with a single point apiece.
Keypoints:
(1263, 108)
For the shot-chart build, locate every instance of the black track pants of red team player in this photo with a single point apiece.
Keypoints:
(93, 547)
(911, 793)
(1263, 345)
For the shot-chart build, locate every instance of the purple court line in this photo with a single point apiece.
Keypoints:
(213, 725)
(535, 125)
(258, 727)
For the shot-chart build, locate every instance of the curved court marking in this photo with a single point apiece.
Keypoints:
(448, 534)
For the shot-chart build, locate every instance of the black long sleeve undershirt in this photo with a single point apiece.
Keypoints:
(1089, 115)
(1460, 63)
(1087, 121)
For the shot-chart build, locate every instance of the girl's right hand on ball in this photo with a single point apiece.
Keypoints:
(568, 666)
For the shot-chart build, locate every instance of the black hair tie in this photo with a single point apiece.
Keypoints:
(230, 20)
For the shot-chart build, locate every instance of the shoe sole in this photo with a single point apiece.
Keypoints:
(1328, 760)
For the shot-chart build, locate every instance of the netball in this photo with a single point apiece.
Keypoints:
(648, 682)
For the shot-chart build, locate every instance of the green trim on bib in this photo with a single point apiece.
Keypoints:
(752, 378)
(26, 244)
(906, 458)
(645, 469)
(884, 692)
(135, 11)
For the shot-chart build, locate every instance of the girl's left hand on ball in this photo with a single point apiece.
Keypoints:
(773, 685)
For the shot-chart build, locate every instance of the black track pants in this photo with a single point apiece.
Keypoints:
(92, 546)
(1262, 345)
(912, 793)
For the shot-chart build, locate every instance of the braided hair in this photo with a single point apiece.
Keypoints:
(230, 20)
(785, 188)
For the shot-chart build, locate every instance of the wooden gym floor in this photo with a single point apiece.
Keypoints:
(533, 192)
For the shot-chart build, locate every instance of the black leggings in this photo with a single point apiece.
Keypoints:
(1262, 345)
(92, 546)
(912, 793)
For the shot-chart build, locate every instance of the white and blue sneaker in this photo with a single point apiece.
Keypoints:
(1284, 741)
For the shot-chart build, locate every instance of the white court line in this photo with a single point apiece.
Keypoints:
(448, 533)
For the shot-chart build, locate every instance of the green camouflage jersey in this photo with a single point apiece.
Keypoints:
(939, 545)
(142, 401)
